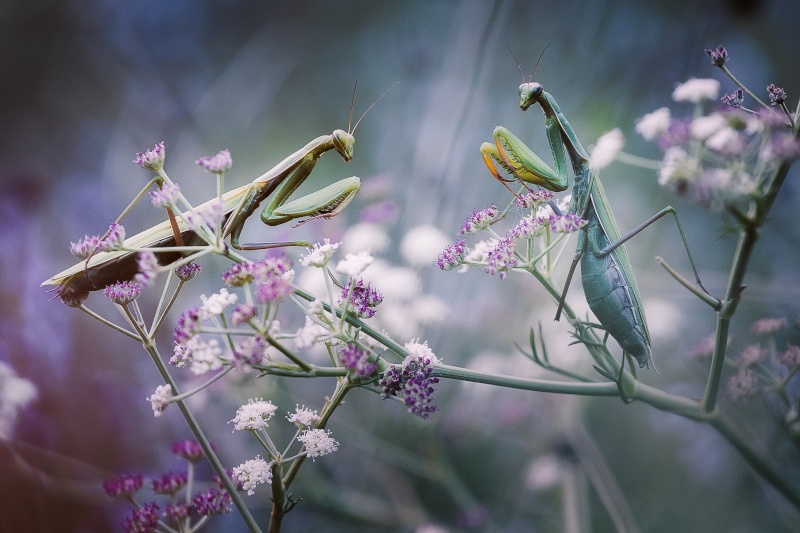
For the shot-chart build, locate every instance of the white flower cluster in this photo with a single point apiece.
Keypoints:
(253, 415)
(159, 400)
(318, 442)
(253, 473)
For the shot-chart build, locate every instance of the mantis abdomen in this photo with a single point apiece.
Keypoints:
(611, 293)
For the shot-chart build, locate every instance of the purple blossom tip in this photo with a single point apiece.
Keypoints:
(363, 298)
(218, 163)
(188, 271)
(152, 159)
(123, 292)
(776, 95)
(453, 255)
(718, 55)
(188, 449)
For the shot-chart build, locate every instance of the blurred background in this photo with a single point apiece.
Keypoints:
(86, 85)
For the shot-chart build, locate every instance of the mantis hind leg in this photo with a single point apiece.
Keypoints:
(638, 229)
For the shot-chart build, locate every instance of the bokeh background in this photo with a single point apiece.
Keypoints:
(86, 84)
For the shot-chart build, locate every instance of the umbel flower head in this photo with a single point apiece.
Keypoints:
(413, 380)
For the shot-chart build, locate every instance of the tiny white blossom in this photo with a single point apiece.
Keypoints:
(419, 353)
(354, 264)
(320, 255)
(726, 141)
(653, 124)
(252, 473)
(422, 245)
(205, 356)
(216, 303)
(704, 127)
(316, 307)
(308, 335)
(253, 415)
(15, 394)
(318, 442)
(696, 90)
(159, 400)
(677, 164)
(303, 416)
(479, 252)
(274, 328)
(365, 236)
(544, 473)
(605, 151)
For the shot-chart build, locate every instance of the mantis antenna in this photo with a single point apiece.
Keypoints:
(370, 107)
(517, 62)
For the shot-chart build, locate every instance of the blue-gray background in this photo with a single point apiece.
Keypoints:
(85, 85)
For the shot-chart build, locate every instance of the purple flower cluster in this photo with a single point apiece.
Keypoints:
(112, 239)
(148, 268)
(242, 313)
(165, 195)
(188, 449)
(123, 486)
(142, 520)
(269, 274)
(533, 199)
(500, 258)
(568, 223)
(718, 55)
(152, 159)
(363, 298)
(479, 220)
(188, 271)
(123, 292)
(188, 325)
(791, 358)
(250, 351)
(453, 255)
(678, 133)
(412, 380)
(170, 483)
(357, 360)
(218, 163)
(213, 501)
(777, 96)
(733, 100)
(176, 511)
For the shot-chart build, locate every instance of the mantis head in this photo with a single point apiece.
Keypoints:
(344, 143)
(529, 93)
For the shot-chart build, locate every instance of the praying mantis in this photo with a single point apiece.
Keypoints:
(173, 239)
(608, 280)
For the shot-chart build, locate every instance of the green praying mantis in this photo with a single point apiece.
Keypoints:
(175, 240)
(608, 281)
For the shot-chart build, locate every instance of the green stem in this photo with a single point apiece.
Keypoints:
(541, 385)
(216, 464)
(756, 461)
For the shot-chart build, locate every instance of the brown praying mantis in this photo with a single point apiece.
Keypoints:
(180, 239)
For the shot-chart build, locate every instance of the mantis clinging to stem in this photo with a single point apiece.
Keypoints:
(608, 281)
(175, 239)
